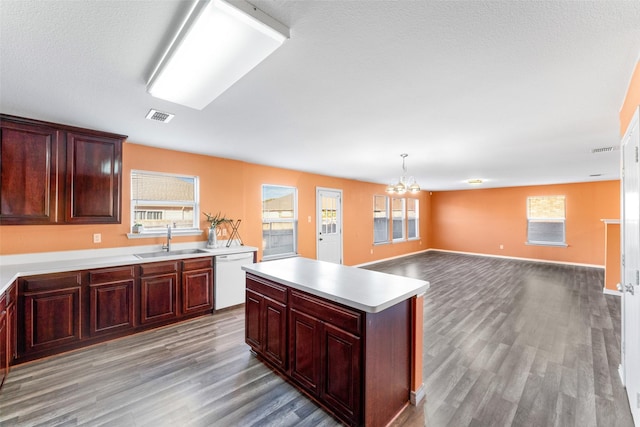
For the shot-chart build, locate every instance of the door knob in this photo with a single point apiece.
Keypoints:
(629, 288)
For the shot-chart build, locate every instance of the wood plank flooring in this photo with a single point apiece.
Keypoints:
(506, 343)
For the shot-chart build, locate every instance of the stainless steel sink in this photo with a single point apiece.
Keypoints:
(163, 254)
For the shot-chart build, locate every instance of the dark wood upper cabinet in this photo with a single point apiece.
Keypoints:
(94, 179)
(29, 173)
(57, 174)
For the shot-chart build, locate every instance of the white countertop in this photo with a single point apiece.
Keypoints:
(14, 266)
(365, 290)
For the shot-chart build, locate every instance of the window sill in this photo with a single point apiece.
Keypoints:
(557, 245)
(174, 232)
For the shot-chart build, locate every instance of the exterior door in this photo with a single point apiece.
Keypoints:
(631, 266)
(329, 225)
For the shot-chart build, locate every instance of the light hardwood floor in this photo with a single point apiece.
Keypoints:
(506, 343)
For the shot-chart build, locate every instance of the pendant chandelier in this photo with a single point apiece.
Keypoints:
(404, 184)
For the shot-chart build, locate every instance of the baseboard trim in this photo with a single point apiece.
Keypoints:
(611, 292)
(577, 264)
(544, 261)
(390, 258)
(621, 373)
(415, 397)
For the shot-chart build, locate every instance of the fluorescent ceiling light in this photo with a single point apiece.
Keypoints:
(217, 45)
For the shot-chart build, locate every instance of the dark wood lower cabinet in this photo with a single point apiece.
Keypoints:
(111, 299)
(342, 356)
(266, 321)
(354, 364)
(63, 311)
(158, 295)
(51, 311)
(4, 341)
(305, 350)
(197, 285)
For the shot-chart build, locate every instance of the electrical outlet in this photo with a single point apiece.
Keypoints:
(224, 231)
(371, 251)
(501, 246)
(309, 219)
(97, 238)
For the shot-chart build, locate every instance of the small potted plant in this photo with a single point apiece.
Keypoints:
(214, 221)
(137, 228)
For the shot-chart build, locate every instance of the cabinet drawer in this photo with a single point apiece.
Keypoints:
(114, 274)
(159, 268)
(341, 317)
(267, 288)
(51, 282)
(197, 263)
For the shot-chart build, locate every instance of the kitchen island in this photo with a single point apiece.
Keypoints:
(350, 339)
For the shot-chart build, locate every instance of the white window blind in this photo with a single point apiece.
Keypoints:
(160, 199)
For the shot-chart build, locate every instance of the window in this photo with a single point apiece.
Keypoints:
(380, 219)
(413, 218)
(546, 220)
(160, 199)
(399, 219)
(279, 221)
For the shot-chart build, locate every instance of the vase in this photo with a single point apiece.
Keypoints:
(212, 242)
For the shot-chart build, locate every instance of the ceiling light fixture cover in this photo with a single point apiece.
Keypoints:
(404, 184)
(217, 45)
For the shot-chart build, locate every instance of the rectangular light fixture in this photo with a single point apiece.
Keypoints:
(218, 44)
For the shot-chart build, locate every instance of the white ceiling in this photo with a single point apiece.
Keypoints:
(513, 92)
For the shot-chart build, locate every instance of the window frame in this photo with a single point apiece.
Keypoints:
(548, 220)
(403, 220)
(293, 221)
(416, 229)
(194, 229)
(387, 218)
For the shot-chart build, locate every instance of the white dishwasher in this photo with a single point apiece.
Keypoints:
(230, 281)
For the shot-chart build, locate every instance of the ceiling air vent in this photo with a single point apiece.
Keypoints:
(159, 116)
(603, 150)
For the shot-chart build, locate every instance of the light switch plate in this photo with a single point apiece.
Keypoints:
(97, 238)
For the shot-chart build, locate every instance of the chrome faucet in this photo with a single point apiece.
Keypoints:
(167, 247)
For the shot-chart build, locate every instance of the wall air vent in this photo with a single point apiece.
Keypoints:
(604, 150)
(159, 116)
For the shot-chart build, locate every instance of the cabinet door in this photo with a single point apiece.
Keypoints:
(158, 297)
(275, 333)
(111, 307)
(197, 291)
(341, 385)
(253, 321)
(52, 319)
(4, 354)
(305, 357)
(29, 173)
(12, 334)
(94, 179)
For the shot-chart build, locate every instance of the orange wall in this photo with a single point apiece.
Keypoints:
(233, 188)
(631, 101)
(479, 221)
(612, 256)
